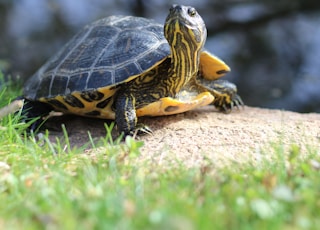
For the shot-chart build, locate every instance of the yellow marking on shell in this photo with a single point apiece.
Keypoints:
(105, 113)
(169, 105)
(211, 65)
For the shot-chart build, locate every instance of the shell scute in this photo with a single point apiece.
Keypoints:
(105, 53)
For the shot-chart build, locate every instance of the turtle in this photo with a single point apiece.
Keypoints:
(125, 67)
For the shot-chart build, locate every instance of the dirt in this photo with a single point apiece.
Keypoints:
(244, 135)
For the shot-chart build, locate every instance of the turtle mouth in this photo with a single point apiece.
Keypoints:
(185, 20)
(180, 14)
(174, 19)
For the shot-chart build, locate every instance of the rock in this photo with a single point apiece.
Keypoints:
(241, 136)
(245, 135)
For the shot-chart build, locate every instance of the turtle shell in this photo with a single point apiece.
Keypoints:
(104, 54)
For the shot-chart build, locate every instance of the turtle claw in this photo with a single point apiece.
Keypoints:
(140, 130)
(143, 129)
(225, 106)
(237, 102)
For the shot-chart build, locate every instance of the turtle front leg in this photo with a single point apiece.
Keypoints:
(126, 117)
(225, 93)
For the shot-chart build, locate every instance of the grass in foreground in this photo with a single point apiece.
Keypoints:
(47, 185)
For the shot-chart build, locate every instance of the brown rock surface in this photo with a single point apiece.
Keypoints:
(190, 138)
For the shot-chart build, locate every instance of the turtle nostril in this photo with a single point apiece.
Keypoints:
(175, 8)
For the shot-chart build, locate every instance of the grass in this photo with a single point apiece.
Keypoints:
(46, 185)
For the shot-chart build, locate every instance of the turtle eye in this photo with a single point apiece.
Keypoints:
(192, 12)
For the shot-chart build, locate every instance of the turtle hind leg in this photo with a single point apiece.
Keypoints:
(32, 110)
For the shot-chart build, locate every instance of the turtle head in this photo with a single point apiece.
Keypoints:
(186, 34)
(184, 28)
